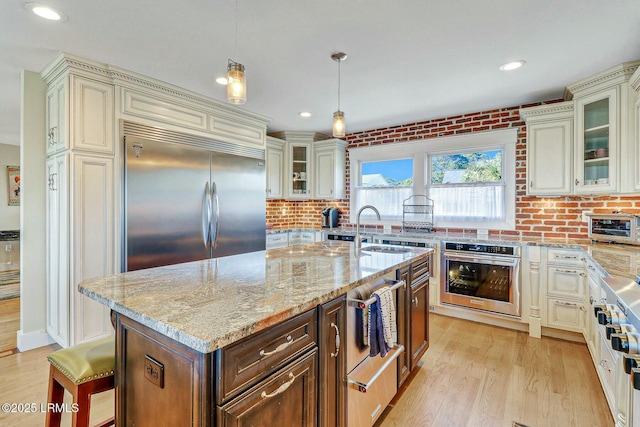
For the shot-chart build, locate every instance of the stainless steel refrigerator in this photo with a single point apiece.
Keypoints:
(189, 198)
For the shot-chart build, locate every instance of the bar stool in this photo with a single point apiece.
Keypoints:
(82, 370)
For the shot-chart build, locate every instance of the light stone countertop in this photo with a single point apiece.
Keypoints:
(208, 304)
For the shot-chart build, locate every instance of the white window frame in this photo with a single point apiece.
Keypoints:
(420, 151)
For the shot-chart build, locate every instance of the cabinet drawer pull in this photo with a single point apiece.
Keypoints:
(280, 389)
(278, 349)
(568, 304)
(334, 326)
(51, 134)
(415, 301)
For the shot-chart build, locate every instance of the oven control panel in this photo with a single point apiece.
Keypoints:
(482, 248)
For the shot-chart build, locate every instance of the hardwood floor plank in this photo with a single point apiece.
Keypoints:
(480, 375)
(23, 380)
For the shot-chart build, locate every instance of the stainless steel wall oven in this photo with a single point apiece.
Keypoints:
(481, 276)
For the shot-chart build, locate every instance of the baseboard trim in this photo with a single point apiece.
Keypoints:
(32, 340)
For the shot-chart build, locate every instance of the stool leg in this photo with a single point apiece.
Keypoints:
(54, 395)
(82, 397)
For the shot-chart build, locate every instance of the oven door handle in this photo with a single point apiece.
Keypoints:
(506, 261)
(363, 387)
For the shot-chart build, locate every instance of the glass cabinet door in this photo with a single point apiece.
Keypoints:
(300, 170)
(597, 148)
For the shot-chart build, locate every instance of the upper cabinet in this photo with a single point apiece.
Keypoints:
(586, 145)
(275, 167)
(634, 81)
(330, 160)
(314, 166)
(596, 142)
(549, 130)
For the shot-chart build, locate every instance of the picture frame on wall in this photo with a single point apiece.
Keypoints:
(13, 181)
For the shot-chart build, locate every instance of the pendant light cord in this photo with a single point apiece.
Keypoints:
(339, 61)
(236, 47)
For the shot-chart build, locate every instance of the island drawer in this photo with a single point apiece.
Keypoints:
(244, 363)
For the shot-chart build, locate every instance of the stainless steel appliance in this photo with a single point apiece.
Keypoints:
(372, 381)
(346, 236)
(615, 227)
(189, 198)
(481, 276)
(330, 217)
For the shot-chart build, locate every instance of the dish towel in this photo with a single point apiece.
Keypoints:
(382, 331)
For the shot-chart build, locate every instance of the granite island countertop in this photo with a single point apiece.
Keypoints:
(208, 304)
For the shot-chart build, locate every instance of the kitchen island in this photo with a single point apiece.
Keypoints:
(199, 343)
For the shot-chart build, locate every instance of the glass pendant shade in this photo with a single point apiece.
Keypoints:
(236, 84)
(339, 127)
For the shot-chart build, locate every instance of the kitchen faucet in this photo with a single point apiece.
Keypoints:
(358, 242)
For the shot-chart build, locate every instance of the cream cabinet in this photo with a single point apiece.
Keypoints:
(314, 166)
(597, 143)
(275, 168)
(80, 202)
(57, 119)
(300, 170)
(604, 132)
(82, 108)
(549, 130)
(634, 157)
(57, 257)
(566, 292)
(330, 166)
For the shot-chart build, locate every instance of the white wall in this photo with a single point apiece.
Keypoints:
(9, 215)
(33, 320)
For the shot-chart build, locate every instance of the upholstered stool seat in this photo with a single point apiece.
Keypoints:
(82, 370)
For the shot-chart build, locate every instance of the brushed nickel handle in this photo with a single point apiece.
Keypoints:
(334, 326)
(415, 301)
(280, 389)
(591, 300)
(278, 349)
(603, 364)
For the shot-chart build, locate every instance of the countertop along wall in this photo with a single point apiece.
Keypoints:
(535, 217)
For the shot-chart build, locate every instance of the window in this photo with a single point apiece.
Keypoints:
(470, 177)
(384, 184)
(467, 186)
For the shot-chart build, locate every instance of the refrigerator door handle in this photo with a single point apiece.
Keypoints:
(206, 215)
(215, 208)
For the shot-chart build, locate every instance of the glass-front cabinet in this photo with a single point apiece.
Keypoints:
(596, 143)
(300, 168)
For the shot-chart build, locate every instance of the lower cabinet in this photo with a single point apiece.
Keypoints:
(287, 397)
(332, 364)
(153, 372)
(413, 325)
(419, 321)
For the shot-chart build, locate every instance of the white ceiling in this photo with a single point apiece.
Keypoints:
(409, 60)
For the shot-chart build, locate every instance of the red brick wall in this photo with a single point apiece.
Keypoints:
(535, 217)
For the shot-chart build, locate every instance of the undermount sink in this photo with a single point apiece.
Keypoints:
(386, 249)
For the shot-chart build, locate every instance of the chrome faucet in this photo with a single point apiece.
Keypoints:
(357, 240)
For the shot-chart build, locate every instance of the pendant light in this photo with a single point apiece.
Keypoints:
(236, 83)
(339, 127)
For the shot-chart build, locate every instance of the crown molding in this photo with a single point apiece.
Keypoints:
(557, 109)
(609, 77)
(65, 62)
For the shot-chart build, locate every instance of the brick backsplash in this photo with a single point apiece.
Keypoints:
(535, 217)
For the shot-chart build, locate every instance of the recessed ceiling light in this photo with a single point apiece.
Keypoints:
(45, 12)
(304, 114)
(512, 65)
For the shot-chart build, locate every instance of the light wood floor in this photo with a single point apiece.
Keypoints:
(23, 379)
(480, 375)
(472, 375)
(9, 323)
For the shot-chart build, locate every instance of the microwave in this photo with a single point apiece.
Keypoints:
(616, 227)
